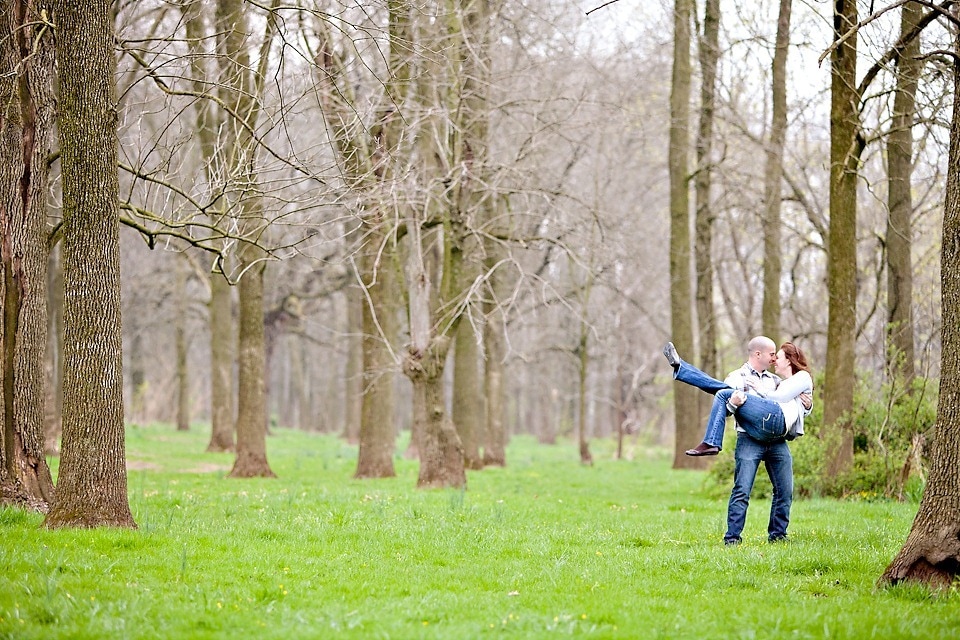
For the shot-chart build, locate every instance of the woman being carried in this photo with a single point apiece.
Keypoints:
(766, 417)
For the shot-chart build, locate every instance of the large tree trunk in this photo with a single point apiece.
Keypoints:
(378, 432)
(900, 351)
(842, 244)
(494, 341)
(221, 365)
(441, 454)
(182, 351)
(931, 553)
(467, 409)
(706, 314)
(685, 402)
(251, 459)
(54, 410)
(353, 374)
(244, 93)
(220, 306)
(583, 362)
(26, 126)
(773, 177)
(92, 483)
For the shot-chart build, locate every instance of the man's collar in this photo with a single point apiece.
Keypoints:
(749, 367)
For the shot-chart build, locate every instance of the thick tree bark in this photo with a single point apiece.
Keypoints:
(706, 314)
(26, 126)
(931, 553)
(467, 408)
(220, 306)
(92, 483)
(243, 92)
(251, 459)
(583, 362)
(842, 244)
(494, 341)
(441, 453)
(378, 432)
(221, 365)
(181, 345)
(353, 374)
(900, 350)
(54, 408)
(685, 405)
(368, 160)
(773, 177)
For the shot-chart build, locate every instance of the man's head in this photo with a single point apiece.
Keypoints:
(761, 352)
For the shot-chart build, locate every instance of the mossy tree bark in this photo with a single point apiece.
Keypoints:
(26, 133)
(773, 178)
(931, 553)
(242, 91)
(842, 243)
(709, 54)
(685, 402)
(371, 160)
(467, 410)
(181, 342)
(209, 120)
(92, 483)
(899, 236)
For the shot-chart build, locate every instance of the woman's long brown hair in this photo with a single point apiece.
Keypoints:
(795, 356)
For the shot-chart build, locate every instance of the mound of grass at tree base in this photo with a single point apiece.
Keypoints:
(542, 548)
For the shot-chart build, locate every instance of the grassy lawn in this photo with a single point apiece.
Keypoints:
(542, 548)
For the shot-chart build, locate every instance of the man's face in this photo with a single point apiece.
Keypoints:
(763, 358)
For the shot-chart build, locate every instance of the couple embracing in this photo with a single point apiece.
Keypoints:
(769, 409)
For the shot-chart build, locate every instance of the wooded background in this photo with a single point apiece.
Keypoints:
(480, 218)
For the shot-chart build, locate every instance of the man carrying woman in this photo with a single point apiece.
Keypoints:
(769, 410)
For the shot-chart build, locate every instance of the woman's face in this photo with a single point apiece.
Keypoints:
(782, 366)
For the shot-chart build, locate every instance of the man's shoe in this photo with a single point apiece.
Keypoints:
(671, 354)
(703, 449)
(731, 542)
(778, 539)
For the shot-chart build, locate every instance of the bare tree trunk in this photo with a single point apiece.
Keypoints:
(220, 306)
(220, 311)
(686, 403)
(92, 483)
(842, 244)
(26, 128)
(180, 341)
(138, 372)
(706, 314)
(931, 553)
(494, 344)
(583, 353)
(251, 460)
(53, 425)
(900, 351)
(467, 409)
(244, 92)
(441, 454)
(354, 385)
(377, 428)
(772, 178)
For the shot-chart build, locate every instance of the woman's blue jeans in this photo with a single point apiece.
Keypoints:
(762, 419)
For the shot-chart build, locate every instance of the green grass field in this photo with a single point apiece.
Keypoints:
(542, 548)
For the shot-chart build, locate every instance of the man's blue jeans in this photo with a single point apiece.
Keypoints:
(779, 464)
